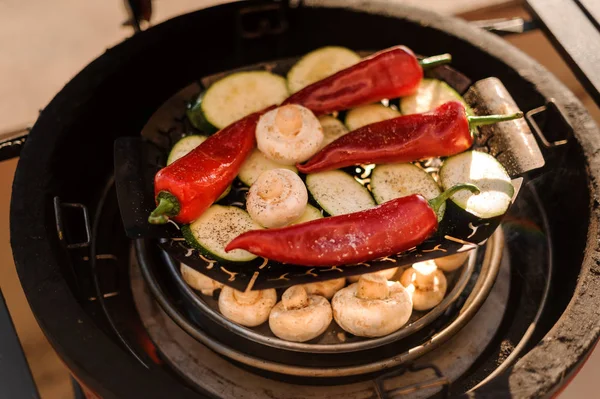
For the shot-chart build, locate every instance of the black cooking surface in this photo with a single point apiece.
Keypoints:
(137, 159)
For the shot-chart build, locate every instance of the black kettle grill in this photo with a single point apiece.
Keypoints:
(123, 322)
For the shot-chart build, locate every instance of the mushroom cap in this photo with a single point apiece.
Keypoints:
(300, 317)
(373, 307)
(289, 134)
(452, 262)
(426, 283)
(387, 273)
(277, 198)
(249, 308)
(326, 288)
(199, 281)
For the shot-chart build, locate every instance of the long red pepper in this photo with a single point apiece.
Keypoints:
(188, 186)
(387, 229)
(391, 73)
(443, 131)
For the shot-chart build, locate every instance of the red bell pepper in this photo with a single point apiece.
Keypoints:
(390, 73)
(188, 186)
(385, 230)
(443, 131)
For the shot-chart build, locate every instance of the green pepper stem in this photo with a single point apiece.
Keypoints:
(477, 120)
(437, 202)
(436, 60)
(160, 215)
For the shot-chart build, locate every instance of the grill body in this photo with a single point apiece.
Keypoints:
(69, 156)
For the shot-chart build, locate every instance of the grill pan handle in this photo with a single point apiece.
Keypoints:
(12, 141)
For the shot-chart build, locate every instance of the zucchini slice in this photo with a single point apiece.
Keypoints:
(224, 194)
(311, 213)
(257, 163)
(367, 114)
(216, 228)
(485, 172)
(196, 117)
(241, 94)
(400, 180)
(338, 193)
(183, 146)
(333, 129)
(319, 64)
(430, 94)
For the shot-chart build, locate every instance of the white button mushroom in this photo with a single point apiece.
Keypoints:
(250, 308)
(452, 262)
(277, 198)
(387, 273)
(326, 288)
(300, 317)
(373, 307)
(289, 134)
(199, 281)
(426, 283)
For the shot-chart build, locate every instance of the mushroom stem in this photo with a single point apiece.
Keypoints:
(372, 286)
(272, 190)
(295, 297)
(246, 298)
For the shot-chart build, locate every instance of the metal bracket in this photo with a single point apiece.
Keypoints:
(138, 11)
(552, 108)
(439, 381)
(262, 20)
(107, 294)
(12, 141)
(505, 26)
(60, 223)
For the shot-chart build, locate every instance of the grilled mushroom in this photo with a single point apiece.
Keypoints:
(289, 134)
(373, 307)
(387, 273)
(250, 308)
(452, 262)
(325, 288)
(199, 281)
(426, 284)
(300, 317)
(277, 198)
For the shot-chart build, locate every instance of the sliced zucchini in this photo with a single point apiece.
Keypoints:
(196, 117)
(224, 194)
(431, 94)
(257, 163)
(367, 114)
(319, 64)
(216, 228)
(183, 146)
(311, 213)
(485, 172)
(400, 180)
(333, 129)
(338, 193)
(241, 94)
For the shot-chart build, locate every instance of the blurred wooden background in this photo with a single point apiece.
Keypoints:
(45, 43)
